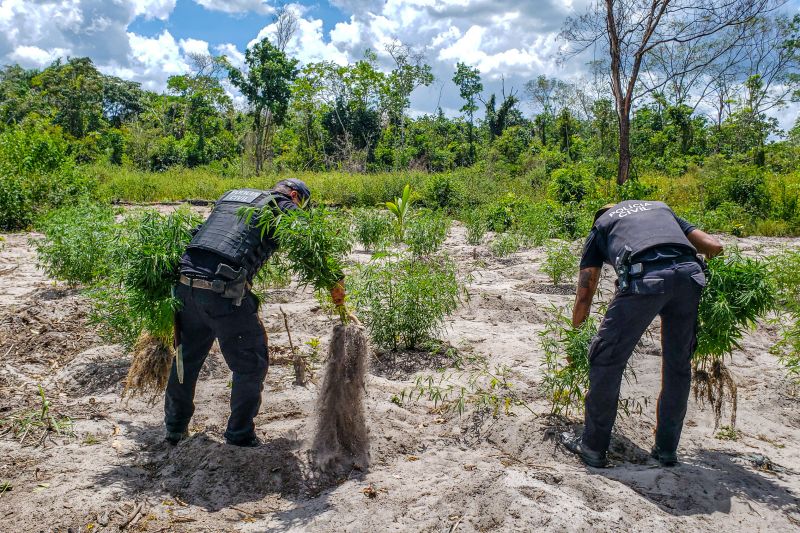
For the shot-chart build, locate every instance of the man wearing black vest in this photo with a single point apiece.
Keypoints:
(654, 254)
(217, 271)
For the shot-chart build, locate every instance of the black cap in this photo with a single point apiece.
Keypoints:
(298, 186)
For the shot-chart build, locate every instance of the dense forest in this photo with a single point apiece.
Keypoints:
(703, 134)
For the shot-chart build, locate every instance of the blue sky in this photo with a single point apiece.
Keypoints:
(191, 20)
(510, 41)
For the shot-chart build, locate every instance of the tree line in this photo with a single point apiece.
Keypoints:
(679, 83)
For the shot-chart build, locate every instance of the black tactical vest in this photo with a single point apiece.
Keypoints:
(227, 234)
(641, 225)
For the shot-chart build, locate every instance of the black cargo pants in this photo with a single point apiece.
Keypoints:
(673, 292)
(206, 316)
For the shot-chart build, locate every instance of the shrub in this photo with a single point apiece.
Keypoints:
(502, 214)
(560, 262)
(76, 243)
(442, 191)
(373, 228)
(569, 185)
(36, 174)
(744, 185)
(404, 301)
(427, 232)
(633, 189)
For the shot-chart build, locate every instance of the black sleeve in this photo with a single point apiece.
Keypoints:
(686, 227)
(593, 251)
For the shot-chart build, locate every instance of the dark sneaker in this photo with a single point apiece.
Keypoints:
(253, 442)
(174, 437)
(664, 457)
(574, 444)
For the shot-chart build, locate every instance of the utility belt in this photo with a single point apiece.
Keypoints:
(627, 270)
(230, 283)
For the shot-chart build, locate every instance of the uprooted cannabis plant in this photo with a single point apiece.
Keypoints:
(738, 292)
(315, 242)
(136, 303)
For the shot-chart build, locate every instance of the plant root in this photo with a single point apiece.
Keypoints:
(716, 387)
(341, 443)
(150, 368)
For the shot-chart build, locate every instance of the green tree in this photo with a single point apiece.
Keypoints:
(470, 87)
(74, 92)
(267, 86)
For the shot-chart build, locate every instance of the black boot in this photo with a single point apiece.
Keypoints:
(574, 444)
(664, 457)
(174, 437)
(253, 442)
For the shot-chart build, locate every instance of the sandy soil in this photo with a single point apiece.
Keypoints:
(429, 471)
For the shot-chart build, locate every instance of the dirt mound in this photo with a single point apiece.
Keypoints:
(95, 371)
(50, 327)
(562, 289)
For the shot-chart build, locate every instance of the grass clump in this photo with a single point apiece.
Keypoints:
(560, 262)
(404, 301)
(738, 292)
(76, 244)
(36, 425)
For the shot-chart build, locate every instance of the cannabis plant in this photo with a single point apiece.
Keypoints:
(373, 228)
(566, 350)
(404, 301)
(476, 226)
(560, 262)
(427, 232)
(566, 362)
(136, 302)
(76, 243)
(505, 244)
(739, 291)
(785, 271)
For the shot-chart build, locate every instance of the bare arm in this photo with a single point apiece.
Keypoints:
(587, 285)
(705, 243)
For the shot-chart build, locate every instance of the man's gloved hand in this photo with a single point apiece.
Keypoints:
(338, 294)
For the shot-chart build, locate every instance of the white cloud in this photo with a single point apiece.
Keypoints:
(307, 44)
(156, 59)
(153, 9)
(33, 55)
(194, 46)
(235, 57)
(238, 6)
